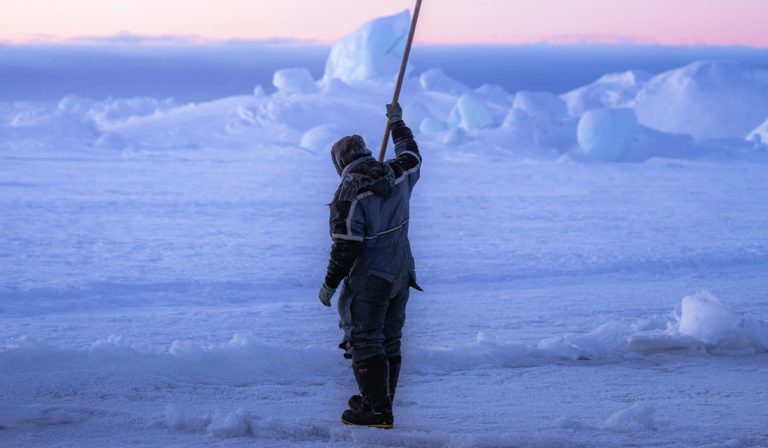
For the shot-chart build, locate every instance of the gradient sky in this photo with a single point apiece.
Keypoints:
(674, 22)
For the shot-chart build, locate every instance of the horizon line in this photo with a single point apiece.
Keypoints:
(169, 40)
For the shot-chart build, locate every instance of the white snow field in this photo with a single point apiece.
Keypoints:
(595, 276)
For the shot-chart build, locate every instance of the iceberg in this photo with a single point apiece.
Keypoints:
(372, 51)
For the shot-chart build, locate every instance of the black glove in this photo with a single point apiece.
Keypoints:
(394, 113)
(326, 293)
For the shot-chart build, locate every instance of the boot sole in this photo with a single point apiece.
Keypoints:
(382, 426)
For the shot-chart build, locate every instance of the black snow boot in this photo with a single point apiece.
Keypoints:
(394, 374)
(356, 402)
(376, 410)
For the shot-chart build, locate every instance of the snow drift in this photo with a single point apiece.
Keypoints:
(702, 323)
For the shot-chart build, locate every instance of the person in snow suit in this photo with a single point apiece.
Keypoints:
(372, 255)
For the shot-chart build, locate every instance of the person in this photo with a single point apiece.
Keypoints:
(372, 255)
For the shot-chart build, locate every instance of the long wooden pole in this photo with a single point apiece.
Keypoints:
(400, 77)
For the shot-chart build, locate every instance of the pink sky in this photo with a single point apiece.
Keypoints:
(686, 22)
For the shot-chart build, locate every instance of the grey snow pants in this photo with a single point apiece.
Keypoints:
(372, 311)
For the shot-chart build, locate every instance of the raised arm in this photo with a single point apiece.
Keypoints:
(408, 158)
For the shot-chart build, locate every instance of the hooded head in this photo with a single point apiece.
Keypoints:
(364, 172)
(347, 150)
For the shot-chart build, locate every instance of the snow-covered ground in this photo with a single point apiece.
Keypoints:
(159, 264)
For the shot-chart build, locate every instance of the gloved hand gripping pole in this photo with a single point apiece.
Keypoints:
(400, 76)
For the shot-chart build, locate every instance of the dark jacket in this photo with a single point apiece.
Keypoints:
(370, 210)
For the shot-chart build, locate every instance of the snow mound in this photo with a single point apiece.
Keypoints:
(41, 128)
(701, 324)
(292, 81)
(705, 100)
(111, 110)
(437, 81)
(320, 138)
(540, 104)
(704, 318)
(638, 417)
(73, 104)
(520, 123)
(614, 90)
(123, 109)
(495, 95)
(704, 323)
(760, 135)
(431, 125)
(241, 423)
(607, 134)
(53, 124)
(470, 112)
(372, 51)
(614, 135)
(112, 141)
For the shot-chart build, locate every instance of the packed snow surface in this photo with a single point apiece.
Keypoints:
(169, 297)
(159, 264)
